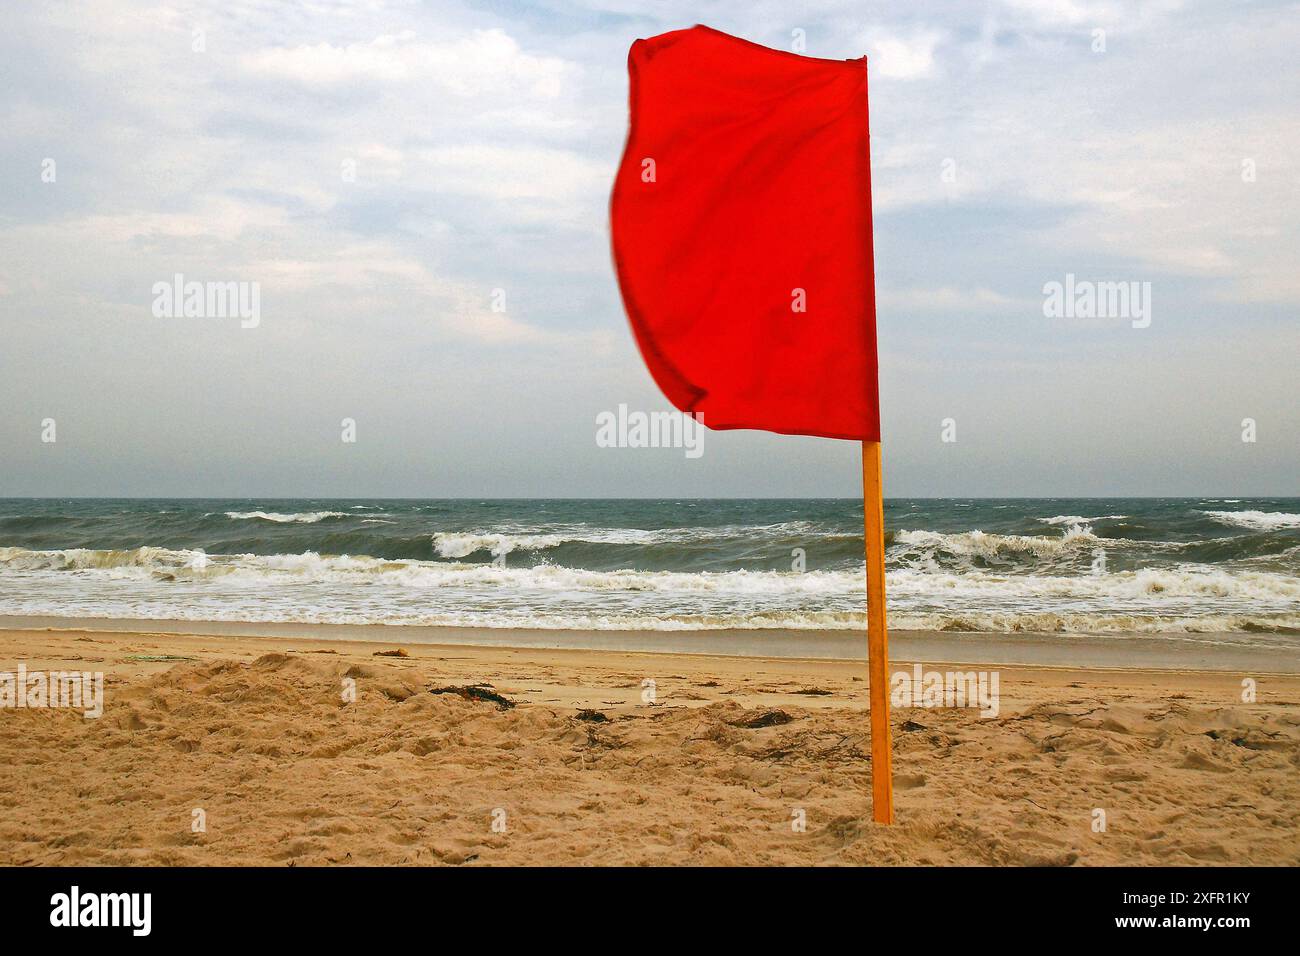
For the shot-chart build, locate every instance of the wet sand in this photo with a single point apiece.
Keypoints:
(1231, 652)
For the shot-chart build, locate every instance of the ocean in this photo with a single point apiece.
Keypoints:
(1003, 565)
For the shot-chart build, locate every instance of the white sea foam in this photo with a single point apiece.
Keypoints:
(810, 620)
(306, 517)
(461, 544)
(964, 588)
(1037, 582)
(558, 569)
(1079, 519)
(979, 544)
(85, 559)
(1256, 520)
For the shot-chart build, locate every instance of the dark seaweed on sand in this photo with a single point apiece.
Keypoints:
(476, 692)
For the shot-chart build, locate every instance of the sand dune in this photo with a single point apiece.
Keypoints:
(582, 770)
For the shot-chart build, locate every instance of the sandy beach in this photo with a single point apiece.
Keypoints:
(621, 757)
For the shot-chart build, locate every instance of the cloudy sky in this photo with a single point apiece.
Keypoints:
(380, 168)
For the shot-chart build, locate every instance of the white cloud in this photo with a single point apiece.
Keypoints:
(899, 57)
(220, 219)
(1080, 14)
(943, 299)
(1058, 11)
(485, 146)
(505, 173)
(485, 61)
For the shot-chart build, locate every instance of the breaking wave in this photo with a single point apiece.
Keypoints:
(462, 544)
(1075, 565)
(309, 517)
(1079, 519)
(977, 544)
(184, 584)
(1256, 520)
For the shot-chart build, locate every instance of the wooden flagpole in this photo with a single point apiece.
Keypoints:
(873, 508)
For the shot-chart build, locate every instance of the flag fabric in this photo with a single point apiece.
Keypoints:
(741, 229)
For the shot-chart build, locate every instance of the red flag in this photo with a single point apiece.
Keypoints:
(741, 226)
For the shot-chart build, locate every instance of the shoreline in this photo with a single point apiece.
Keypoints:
(1214, 652)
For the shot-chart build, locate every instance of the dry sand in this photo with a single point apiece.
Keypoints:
(254, 732)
